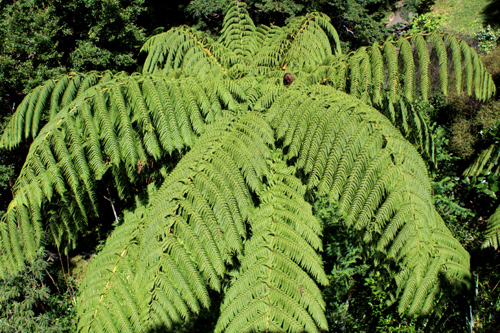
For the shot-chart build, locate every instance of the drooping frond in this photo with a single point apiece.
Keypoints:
(439, 48)
(487, 163)
(408, 69)
(274, 289)
(354, 156)
(118, 127)
(406, 53)
(155, 268)
(43, 103)
(411, 123)
(390, 76)
(492, 235)
(456, 54)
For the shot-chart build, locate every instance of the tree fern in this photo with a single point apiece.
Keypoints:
(250, 147)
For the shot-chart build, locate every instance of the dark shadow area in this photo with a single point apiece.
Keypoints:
(491, 14)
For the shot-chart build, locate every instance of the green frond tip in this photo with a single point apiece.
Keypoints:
(487, 163)
(186, 50)
(274, 290)
(238, 31)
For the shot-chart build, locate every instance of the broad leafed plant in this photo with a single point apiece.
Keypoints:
(244, 157)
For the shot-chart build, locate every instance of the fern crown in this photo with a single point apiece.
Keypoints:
(240, 150)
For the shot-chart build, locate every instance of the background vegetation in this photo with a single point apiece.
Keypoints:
(43, 39)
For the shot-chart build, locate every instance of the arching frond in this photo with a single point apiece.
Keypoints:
(311, 39)
(115, 127)
(238, 31)
(157, 265)
(390, 76)
(184, 50)
(353, 155)
(414, 54)
(243, 49)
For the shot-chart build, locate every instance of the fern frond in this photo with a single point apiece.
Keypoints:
(486, 163)
(104, 130)
(103, 285)
(238, 31)
(273, 290)
(399, 57)
(391, 60)
(375, 78)
(181, 49)
(408, 67)
(456, 52)
(192, 227)
(310, 41)
(379, 184)
(492, 235)
(442, 58)
(243, 49)
(42, 104)
(377, 62)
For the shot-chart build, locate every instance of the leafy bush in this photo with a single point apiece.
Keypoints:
(27, 304)
(487, 38)
(425, 23)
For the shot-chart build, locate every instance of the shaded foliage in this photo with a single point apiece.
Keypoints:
(27, 303)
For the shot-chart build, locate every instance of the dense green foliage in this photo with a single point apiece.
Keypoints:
(39, 40)
(235, 183)
(27, 306)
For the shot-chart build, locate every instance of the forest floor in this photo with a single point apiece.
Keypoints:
(467, 16)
